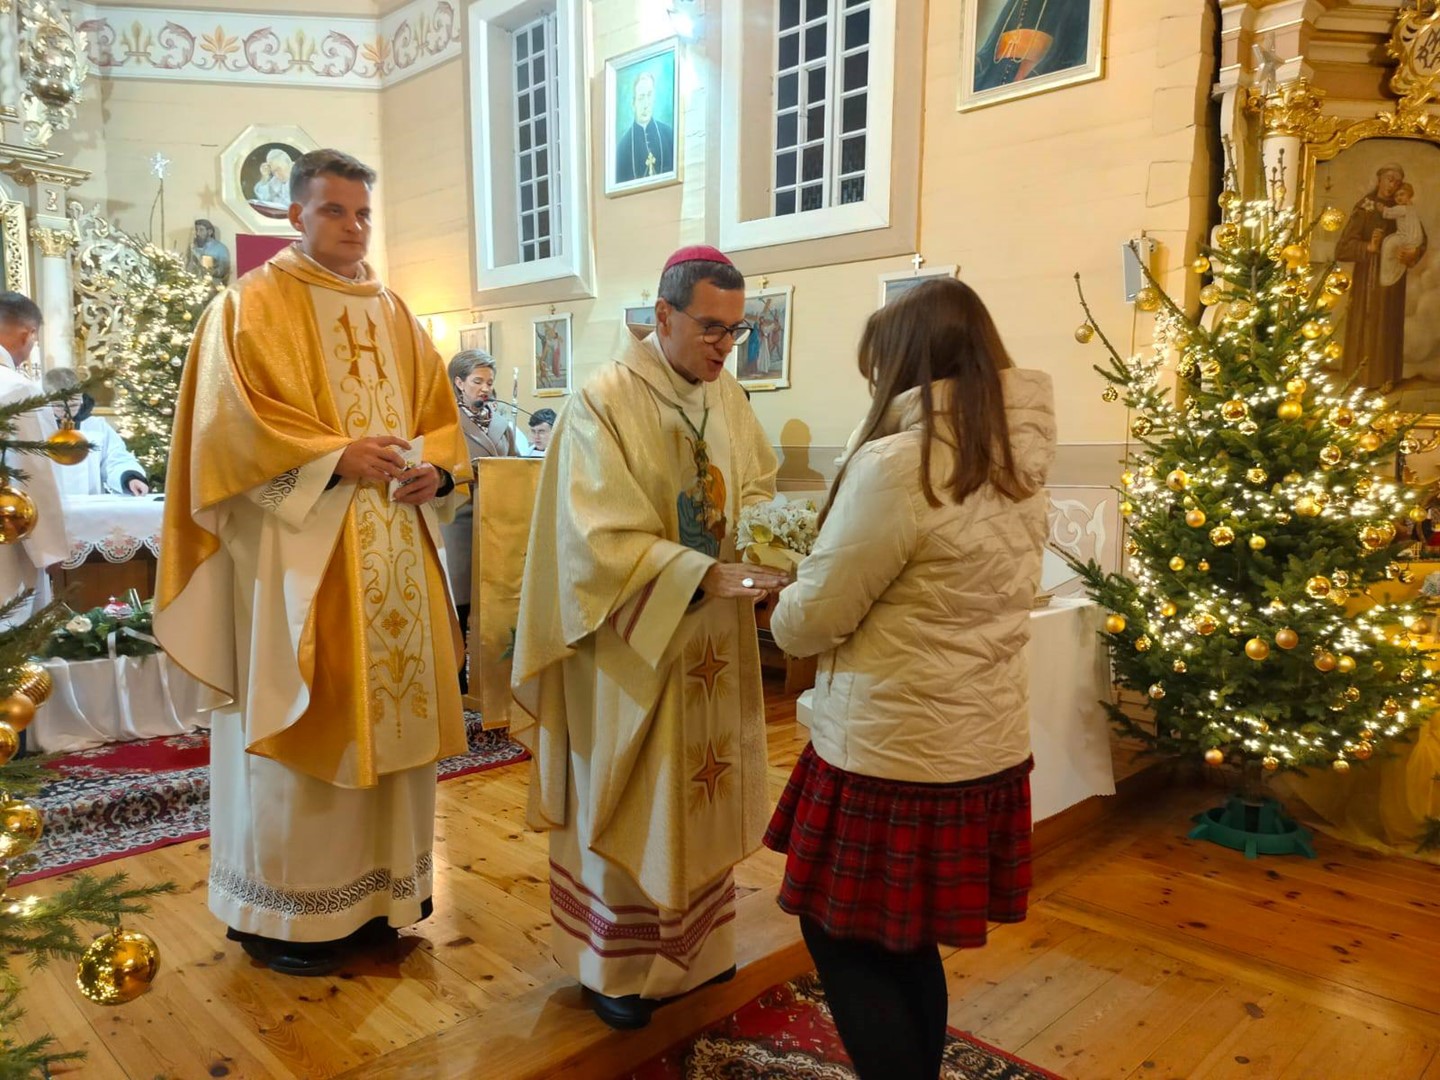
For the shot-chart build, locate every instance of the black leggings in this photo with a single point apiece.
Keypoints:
(889, 1007)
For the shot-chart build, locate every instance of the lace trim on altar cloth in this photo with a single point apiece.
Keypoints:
(118, 547)
(279, 489)
(292, 903)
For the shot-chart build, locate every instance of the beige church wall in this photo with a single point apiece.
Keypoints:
(1020, 195)
(126, 121)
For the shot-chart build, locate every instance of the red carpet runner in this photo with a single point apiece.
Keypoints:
(786, 1034)
(125, 798)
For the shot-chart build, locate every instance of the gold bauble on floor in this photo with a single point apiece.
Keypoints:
(117, 967)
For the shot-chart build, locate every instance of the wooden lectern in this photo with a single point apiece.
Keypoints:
(504, 503)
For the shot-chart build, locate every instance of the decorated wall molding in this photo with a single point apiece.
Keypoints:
(276, 50)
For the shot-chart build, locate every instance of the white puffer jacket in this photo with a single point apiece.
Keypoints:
(922, 613)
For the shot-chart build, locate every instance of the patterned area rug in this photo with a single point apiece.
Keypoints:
(125, 798)
(786, 1034)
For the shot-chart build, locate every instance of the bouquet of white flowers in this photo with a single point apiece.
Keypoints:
(778, 533)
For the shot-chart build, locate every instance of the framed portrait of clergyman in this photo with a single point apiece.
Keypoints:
(642, 119)
(1015, 48)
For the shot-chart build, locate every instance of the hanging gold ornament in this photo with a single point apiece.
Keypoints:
(1200, 265)
(1114, 624)
(1084, 332)
(1290, 409)
(1141, 426)
(1342, 416)
(1333, 350)
(1109, 394)
(1210, 295)
(17, 710)
(1330, 454)
(1312, 330)
(1127, 478)
(1387, 531)
(1195, 518)
(1148, 299)
(1293, 478)
(1325, 661)
(1371, 538)
(1257, 648)
(1256, 542)
(20, 828)
(1367, 735)
(1202, 566)
(1227, 235)
(1283, 517)
(1168, 609)
(1240, 310)
(1270, 763)
(1142, 644)
(1337, 282)
(1352, 693)
(1294, 256)
(18, 514)
(1340, 765)
(1222, 535)
(67, 446)
(1210, 369)
(1177, 563)
(1234, 409)
(1341, 578)
(1306, 506)
(117, 967)
(35, 682)
(1156, 691)
(1318, 587)
(1204, 624)
(1131, 547)
(1287, 638)
(1214, 756)
(9, 743)
(1331, 218)
(1407, 673)
(1127, 508)
(1363, 486)
(1389, 707)
(1363, 751)
(1229, 199)
(1178, 667)
(1256, 475)
(1177, 480)
(1296, 386)
(1247, 427)
(1345, 665)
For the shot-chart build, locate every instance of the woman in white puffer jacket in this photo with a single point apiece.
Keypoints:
(907, 820)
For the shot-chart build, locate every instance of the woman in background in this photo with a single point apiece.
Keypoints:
(906, 823)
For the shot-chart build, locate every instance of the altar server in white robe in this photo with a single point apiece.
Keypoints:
(23, 565)
(110, 468)
(300, 578)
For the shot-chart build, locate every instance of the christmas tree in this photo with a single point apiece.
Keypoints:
(1253, 613)
(161, 308)
(119, 964)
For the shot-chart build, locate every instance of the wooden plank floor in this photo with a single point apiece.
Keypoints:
(1145, 956)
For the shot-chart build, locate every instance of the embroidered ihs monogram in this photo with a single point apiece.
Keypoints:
(360, 347)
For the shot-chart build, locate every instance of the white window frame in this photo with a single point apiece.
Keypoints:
(570, 274)
(872, 212)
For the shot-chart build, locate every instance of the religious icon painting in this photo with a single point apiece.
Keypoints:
(1015, 48)
(636, 316)
(255, 175)
(898, 284)
(642, 119)
(762, 360)
(552, 355)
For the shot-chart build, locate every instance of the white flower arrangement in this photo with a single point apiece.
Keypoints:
(777, 533)
(79, 625)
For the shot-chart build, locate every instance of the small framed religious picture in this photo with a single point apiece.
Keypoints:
(255, 175)
(642, 119)
(635, 315)
(1015, 48)
(762, 360)
(552, 355)
(901, 282)
(475, 336)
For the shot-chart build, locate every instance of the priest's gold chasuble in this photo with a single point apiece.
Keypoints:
(641, 699)
(316, 609)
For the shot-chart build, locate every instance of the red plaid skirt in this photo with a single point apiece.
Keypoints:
(899, 864)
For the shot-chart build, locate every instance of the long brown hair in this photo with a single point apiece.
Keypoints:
(939, 331)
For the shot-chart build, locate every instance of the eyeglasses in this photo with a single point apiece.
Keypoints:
(713, 332)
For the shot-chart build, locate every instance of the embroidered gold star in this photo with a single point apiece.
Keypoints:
(710, 772)
(709, 668)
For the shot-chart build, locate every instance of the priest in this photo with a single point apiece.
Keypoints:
(300, 580)
(636, 663)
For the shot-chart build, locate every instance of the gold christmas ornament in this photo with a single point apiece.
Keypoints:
(1214, 756)
(1178, 667)
(1240, 310)
(1202, 566)
(67, 446)
(1270, 763)
(1367, 735)
(1372, 538)
(1131, 547)
(1127, 508)
(1177, 563)
(1325, 661)
(35, 682)
(1200, 265)
(1290, 409)
(1084, 332)
(18, 514)
(1156, 691)
(1256, 475)
(1340, 765)
(1195, 518)
(1234, 409)
(1287, 638)
(1333, 350)
(17, 710)
(1337, 283)
(1148, 299)
(1363, 486)
(1227, 235)
(1168, 609)
(1318, 587)
(1294, 256)
(1177, 480)
(1247, 427)
(1363, 751)
(1352, 693)
(1210, 295)
(1256, 542)
(1142, 644)
(1204, 624)
(1257, 649)
(1345, 665)
(1390, 707)
(1229, 199)
(1114, 624)
(1127, 478)
(1222, 535)
(1109, 394)
(1296, 386)
(117, 967)
(1341, 579)
(1141, 426)
(1306, 506)
(1387, 531)
(1331, 218)
(1342, 416)
(1330, 454)
(1312, 330)
(9, 743)
(21, 827)
(1293, 478)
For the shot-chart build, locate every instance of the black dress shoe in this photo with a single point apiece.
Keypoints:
(628, 1013)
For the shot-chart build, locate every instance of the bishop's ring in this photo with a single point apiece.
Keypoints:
(749, 583)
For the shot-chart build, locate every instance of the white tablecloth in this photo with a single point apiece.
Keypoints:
(130, 697)
(1069, 730)
(117, 526)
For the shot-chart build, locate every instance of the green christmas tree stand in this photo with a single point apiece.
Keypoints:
(1254, 828)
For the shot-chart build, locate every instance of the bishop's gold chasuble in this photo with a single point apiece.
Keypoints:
(641, 701)
(318, 610)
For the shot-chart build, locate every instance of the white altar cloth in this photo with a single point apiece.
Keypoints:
(1069, 730)
(129, 697)
(117, 526)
